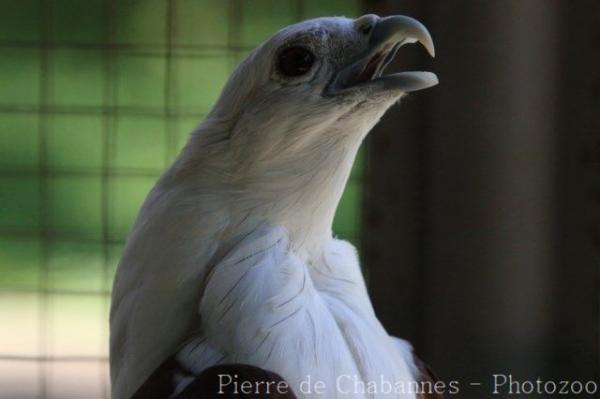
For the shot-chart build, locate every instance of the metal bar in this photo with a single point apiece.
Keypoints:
(81, 172)
(153, 112)
(44, 359)
(50, 291)
(142, 50)
(299, 10)
(108, 127)
(171, 123)
(44, 330)
(56, 236)
(234, 31)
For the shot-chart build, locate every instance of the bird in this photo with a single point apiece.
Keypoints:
(232, 262)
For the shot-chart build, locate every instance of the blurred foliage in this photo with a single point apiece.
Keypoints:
(53, 154)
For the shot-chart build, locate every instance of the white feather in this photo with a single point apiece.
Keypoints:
(262, 305)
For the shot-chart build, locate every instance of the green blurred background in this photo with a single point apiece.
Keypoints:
(96, 99)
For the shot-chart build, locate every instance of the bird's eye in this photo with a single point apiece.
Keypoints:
(295, 61)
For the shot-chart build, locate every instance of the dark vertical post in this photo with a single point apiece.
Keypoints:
(482, 192)
(578, 276)
(492, 204)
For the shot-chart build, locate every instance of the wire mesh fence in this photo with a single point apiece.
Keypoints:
(96, 99)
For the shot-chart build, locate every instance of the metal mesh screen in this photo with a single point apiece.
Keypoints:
(96, 99)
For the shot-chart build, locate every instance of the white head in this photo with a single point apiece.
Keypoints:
(286, 128)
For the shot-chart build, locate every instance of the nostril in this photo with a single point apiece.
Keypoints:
(365, 28)
(366, 23)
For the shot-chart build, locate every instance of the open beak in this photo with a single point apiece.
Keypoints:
(387, 35)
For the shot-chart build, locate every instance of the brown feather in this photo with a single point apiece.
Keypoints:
(426, 376)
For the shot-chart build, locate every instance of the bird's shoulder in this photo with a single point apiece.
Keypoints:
(256, 279)
(265, 266)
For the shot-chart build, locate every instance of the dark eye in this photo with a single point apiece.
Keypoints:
(295, 61)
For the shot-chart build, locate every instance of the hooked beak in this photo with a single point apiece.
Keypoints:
(387, 35)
